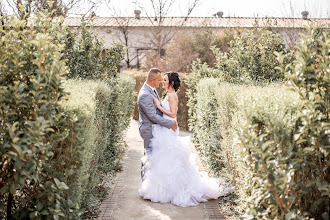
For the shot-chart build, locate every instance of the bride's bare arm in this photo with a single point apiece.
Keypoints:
(173, 100)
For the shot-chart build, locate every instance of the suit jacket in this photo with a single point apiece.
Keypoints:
(149, 114)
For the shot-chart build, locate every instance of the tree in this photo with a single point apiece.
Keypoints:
(1, 14)
(124, 36)
(159, 36)
(27, 8)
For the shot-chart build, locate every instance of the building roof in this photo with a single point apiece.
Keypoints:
(217, 22)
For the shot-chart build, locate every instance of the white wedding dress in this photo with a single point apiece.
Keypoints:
(171, 173)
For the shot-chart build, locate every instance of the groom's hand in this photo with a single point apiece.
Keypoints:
(174, 126)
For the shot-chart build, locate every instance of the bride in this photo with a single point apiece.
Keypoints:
(171, 174)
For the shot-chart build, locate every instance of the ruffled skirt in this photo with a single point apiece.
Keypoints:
(172, 175)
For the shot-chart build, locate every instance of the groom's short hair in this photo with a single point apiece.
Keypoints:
(153, 73)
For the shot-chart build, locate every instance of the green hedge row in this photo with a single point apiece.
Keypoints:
(96, 116)
(272, 139)
(60, 139)
(31, 89)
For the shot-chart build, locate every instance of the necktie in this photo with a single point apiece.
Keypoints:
(156, 93)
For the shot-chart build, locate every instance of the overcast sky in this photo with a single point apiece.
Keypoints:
(230, 8)
(238, 8)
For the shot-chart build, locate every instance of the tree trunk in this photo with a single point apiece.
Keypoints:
(9, 206)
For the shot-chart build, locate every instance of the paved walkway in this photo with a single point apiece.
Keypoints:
(124, 202)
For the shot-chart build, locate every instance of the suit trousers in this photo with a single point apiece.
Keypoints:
(147, 152)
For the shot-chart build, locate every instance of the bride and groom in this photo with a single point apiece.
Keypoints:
(169, 172)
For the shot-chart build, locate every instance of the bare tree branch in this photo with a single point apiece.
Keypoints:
(159, 36)
(26, 8)
(191, 7)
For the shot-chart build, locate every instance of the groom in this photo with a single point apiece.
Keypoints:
(149, 114)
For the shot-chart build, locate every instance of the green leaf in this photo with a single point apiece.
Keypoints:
(12, 130)
(325, 216)
(265, 145)
(45, 212)
(40, 206)
(289, 216)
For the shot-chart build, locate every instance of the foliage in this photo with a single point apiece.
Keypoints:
(31, 89)
(50, 143)
(119, 113)
(204, 41)
(207, 126)
(185, 48)
(267, 123)
(251, 57)
(295, 172)
(220, 111)
(274, 141)
(82, 158)
(199, 71)
(87, 57)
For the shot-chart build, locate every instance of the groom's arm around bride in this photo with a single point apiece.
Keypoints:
(148, 112)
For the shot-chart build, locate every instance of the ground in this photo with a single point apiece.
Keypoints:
(124, 202)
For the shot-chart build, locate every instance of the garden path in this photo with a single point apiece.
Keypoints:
(124, 202)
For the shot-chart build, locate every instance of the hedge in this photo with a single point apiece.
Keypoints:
(93, 146)
(31, 89)
(274, 138)
(59, 139)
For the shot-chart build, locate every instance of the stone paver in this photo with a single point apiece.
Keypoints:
(124, 202)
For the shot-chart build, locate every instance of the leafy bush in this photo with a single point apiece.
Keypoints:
(82, 159)
(119, 113)
(204, 41)
(251, 57)
(185, 48)
(87, 57)
(274, 141)
(220, 111)
(31, 70)
(199, 71)
(207, 126)
(51, 144)
(293, 173)
(265, 141)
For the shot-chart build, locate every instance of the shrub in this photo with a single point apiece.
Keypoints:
(96, 116)
(295, 171)
(185, 48)
(204, 41)
(207, 126)
(273, 140)
(31, 70)
(53, 144)
(87, 57)
(119, 114)
(252, 58)
(199, 71)
(267, 122)
(220, 112)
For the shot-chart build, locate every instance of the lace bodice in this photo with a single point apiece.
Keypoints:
(166, 105)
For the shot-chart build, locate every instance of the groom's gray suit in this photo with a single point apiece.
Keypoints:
(149, 114)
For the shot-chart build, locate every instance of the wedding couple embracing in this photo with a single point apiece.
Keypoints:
(169, 172)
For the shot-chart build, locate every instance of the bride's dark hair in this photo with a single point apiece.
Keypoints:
(173, 80)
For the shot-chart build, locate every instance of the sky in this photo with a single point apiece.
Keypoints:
(206, 8)
(232, 8)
